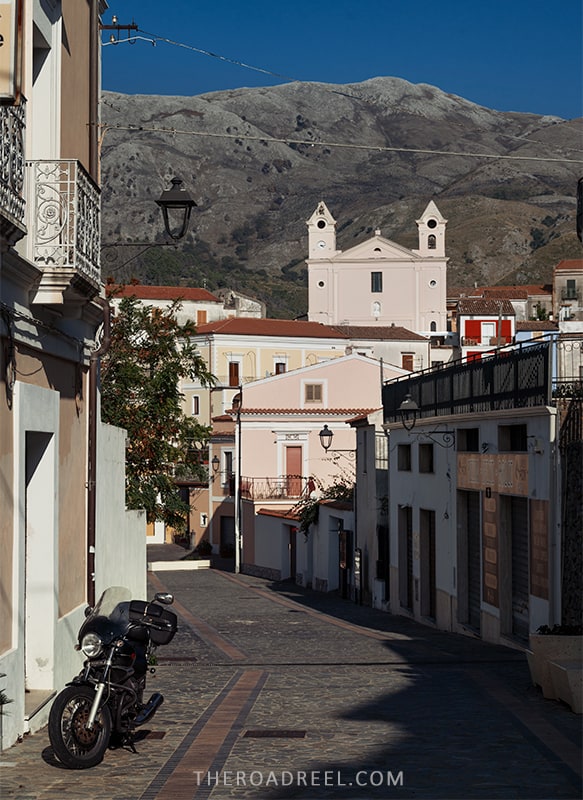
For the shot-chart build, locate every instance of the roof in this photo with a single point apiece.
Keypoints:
(308, 412)
(569, 264)
(172, 293)
(515, 292)
(376, 332)
(537, 325)
(287, 328)
(481, 305)
(281, 513)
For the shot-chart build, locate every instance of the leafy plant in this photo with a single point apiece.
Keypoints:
(561, 630)
(307, 509)
(150, 352)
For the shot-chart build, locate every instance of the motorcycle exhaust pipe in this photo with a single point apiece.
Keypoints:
(149, 709)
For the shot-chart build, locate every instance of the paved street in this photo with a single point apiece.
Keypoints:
(273, 692)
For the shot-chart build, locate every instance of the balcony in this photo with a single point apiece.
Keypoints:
(283, 487)
(64, 230)
(12, 205)
(489, 341)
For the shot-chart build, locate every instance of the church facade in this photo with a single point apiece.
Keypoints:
(378, 282)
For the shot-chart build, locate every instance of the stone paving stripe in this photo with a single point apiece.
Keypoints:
(201, 628)
(152, 791)
(207, 751)
(284, 601)
(538, 730)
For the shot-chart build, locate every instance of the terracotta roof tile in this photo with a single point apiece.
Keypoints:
(248, 326)
(537, 325)
(272, 512)
(481, 305)
(515, 292)
(376, 332)
(312, 412)
(570, 264)
(143, 292)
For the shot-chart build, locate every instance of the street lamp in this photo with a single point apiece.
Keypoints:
(176, 204)
(216, 463)
(326, 437)
(408, 410)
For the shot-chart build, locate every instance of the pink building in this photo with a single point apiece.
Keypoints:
(378, 282)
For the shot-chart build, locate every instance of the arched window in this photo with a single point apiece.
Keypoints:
(433, 326)
(431, 241)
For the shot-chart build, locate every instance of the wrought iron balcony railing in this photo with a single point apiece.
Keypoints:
(64, 217)
(12, 124)
(283, 487)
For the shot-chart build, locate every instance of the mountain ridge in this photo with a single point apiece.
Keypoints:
(257, 161)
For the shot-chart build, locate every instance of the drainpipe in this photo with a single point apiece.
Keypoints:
(94, 57)
(238, 473)
(92, 447)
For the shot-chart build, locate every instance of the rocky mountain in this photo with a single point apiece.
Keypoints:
(257, 161)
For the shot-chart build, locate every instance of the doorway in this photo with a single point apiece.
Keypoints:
(293, 470)
(427, 563)
(39, 558)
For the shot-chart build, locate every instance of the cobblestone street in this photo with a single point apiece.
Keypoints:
(272, 691)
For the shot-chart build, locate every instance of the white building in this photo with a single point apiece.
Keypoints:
(378, 282)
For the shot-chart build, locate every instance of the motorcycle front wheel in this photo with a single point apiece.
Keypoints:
(73, 744)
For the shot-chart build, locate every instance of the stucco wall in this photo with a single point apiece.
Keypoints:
(120, 535)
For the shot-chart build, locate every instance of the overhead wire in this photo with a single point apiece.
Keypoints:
(346, 145)
(280, 76)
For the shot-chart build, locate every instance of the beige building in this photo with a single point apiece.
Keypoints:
(58, 509)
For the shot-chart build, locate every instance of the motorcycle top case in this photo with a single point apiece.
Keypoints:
(161, 623)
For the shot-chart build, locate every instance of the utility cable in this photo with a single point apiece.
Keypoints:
(344, 145)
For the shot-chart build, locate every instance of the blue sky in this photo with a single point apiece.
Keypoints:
(509, 55)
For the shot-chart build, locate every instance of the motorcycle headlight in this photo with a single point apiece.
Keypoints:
(91, 645)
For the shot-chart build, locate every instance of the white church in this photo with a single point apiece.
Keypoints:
(378, 282)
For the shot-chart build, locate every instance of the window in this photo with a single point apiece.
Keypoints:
(376, 281)
(570, 292)
(201, 318)
(233, 373)
(468, 440)
(279, 367)
(512, 439)
(313, 392)
(404, 458)
(426, 457)
(431, 242)
(407, 361)
(195, 405)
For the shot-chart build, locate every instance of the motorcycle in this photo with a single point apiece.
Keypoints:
(103, 705)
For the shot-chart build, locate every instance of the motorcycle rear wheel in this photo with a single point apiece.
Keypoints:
(74, 745)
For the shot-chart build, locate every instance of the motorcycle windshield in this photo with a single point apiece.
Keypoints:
(110, 616)
(109, 600)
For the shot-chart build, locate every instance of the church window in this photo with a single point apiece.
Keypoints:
(376, 281)
(321, 223)
(431, 241)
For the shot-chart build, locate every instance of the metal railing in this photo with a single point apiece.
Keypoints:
(12, 124)
(64, 217)
(276, 488)
(517, 377)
